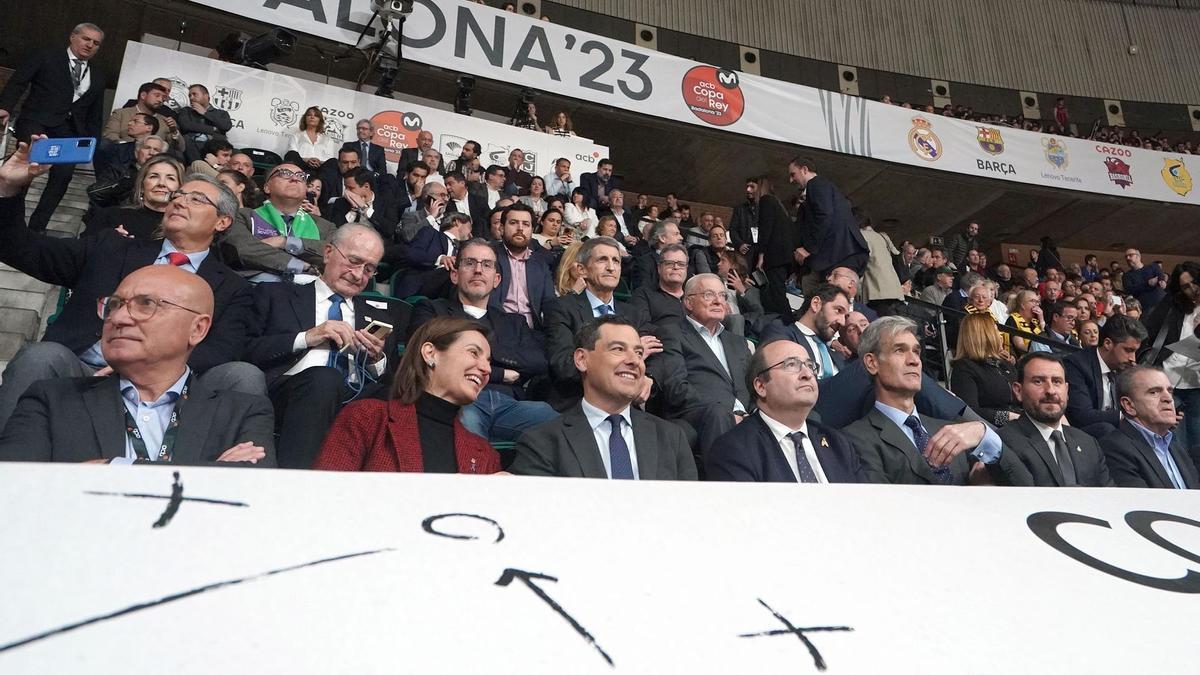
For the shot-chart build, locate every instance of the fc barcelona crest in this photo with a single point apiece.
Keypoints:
(990, 140)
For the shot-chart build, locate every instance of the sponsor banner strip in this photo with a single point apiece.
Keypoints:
(473, 38)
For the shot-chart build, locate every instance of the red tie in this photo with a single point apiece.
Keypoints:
(177, 259)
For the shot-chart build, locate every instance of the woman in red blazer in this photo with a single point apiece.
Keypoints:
(445, 367)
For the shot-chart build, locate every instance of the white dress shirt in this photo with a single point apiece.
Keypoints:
(816, 350)
(602, 430)
(1107, 402)
(86, 69)
(493, 196)
(323, 148)
(781, 433)
(319, 356)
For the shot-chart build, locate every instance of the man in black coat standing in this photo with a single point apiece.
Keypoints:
(66, 99)
(370, 155)
(829, 234)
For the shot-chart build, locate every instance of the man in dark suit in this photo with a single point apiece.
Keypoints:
(713, 396)
(361, 202)
(781, 442)
(822, 316)
(312, 341)
(410, 156)
(598, 186)
(627, 219)
(370, 155)
(1057, 455)
(526, 282)
(743, 224)
(565, 317)
(829, 233)
(92, 267)
(331, 174)
(202, 122)
(516, 178)
(603, 435)
(429, 257)
(645, 265)
(151, 407)
(502, 411)
(1092, 403)
(1144, 452)
(462, 201)
(66, 98)
(663, 301)
(896, 444)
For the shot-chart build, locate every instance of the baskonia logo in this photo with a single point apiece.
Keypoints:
(1056, 153)
(923, 142)
(990, 140)
(1118, 172)
(284, 112)
(714, 95)
(1176, 176)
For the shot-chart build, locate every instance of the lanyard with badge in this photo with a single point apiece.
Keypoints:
(168, 442)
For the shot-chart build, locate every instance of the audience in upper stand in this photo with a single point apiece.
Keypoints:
(201, 122)
(444, 368)
(370, 154)
(516, 178)
(148, 406)
(410, 156)
(599, 185)
(151, 100)
(310, 146)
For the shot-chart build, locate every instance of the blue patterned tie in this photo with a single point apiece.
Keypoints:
(605, 310)
(803, 467)
(921, 440)
(618, 451)
(336, 360)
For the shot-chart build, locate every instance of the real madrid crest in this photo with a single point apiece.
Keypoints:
(1176, 176)
(990, 140)
(1056, 153)
(923, 142)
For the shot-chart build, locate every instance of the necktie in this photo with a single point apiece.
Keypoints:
(177, 259)
(336, 360)
(826, 361)
(1063, 456)
(76, 71)
(287, 224)
(803, 467)
(618, 451)
(605, 310)
(366, 154)
(1110, 390)
(921, 440)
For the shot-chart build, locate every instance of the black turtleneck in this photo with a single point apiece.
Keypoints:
(435, 426)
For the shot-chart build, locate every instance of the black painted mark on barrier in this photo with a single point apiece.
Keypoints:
(172, 504)
(427, 525)
(141, 495)
(527, 578)
(180, 596)
(818, 660)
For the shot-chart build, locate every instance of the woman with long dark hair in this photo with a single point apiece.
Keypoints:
(1176, 317)
(446, 365)
(310, 145)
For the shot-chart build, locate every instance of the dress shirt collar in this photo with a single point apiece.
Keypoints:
(703, 330)
(1104, 369)
(524, 255)
(808, 332)
(596, 416)
(474, 312)
(194, 259)
(1045, 431)
(1153, 439)
(323, 291)
(130, 393)
(897, 415)
(780, 430)
(594, 302)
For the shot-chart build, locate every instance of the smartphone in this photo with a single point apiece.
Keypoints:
(379, 329)
(311, 196)
(63, 150)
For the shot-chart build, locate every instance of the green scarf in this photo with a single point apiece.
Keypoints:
(303, 225)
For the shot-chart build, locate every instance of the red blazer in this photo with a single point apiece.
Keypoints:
(374, 435)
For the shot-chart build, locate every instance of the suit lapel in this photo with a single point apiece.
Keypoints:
(645, 440)
(830, 462)
(1034, 438)
(303, 300)
(892, 435)
(583, 443)
(699, 346)
(1098, 378)
(107, 412)
(1183, 462)
(1147, 452)
(195, 422)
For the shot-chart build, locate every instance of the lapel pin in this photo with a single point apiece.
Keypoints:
(824, 442)
(1078, 449)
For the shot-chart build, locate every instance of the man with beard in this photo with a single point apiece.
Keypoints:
(821, 317)
(1056, 454)
(470, 151)
(150, 101)
(1092, 401)
(743, 225)
(526, 282)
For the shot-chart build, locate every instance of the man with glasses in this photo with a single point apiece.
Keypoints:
(283, 237)
(370, 154)
(780, 442)
(502, 412)
(645, 265)
(712, 396)
(312, 341)
(151, 407)
(429, 257)
(92, 267)
(662, 301)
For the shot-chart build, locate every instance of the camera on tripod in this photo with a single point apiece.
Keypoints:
(392, 9)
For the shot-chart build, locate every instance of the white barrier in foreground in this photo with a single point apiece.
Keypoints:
(304, 572)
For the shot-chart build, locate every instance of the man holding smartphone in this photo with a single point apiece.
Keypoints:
(66, 99)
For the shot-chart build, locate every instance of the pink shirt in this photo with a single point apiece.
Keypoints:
(517, 299)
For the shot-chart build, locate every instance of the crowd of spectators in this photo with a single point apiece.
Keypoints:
(328, 313)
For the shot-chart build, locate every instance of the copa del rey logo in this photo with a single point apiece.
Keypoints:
(1118, 171)
(714, 95)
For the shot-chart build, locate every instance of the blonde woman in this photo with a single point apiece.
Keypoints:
(983, 370)
(569, 278)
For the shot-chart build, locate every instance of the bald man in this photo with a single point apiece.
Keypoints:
(151, 409)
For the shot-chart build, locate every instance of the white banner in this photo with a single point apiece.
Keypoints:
(473, 38)
(130, 571)
(266, 108)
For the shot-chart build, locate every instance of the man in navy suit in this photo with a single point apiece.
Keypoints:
(526, 282)
(503, 411)
(66, 98)
(429, 258)
(1092, 401)
(598, 186)
(1144, 451)
(370, 155)
(829, 232)
(822, 316)
(780, 443)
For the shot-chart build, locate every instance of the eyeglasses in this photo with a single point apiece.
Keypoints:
(470, 263)
(358, 263)
(673, 264)
(289, 175)
(141, 307)
(708, 296)
(192, 198)
(793, 364)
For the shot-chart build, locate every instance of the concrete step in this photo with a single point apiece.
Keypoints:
(22, 300)
(17, 281)
(10, 344)
(22, 321)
